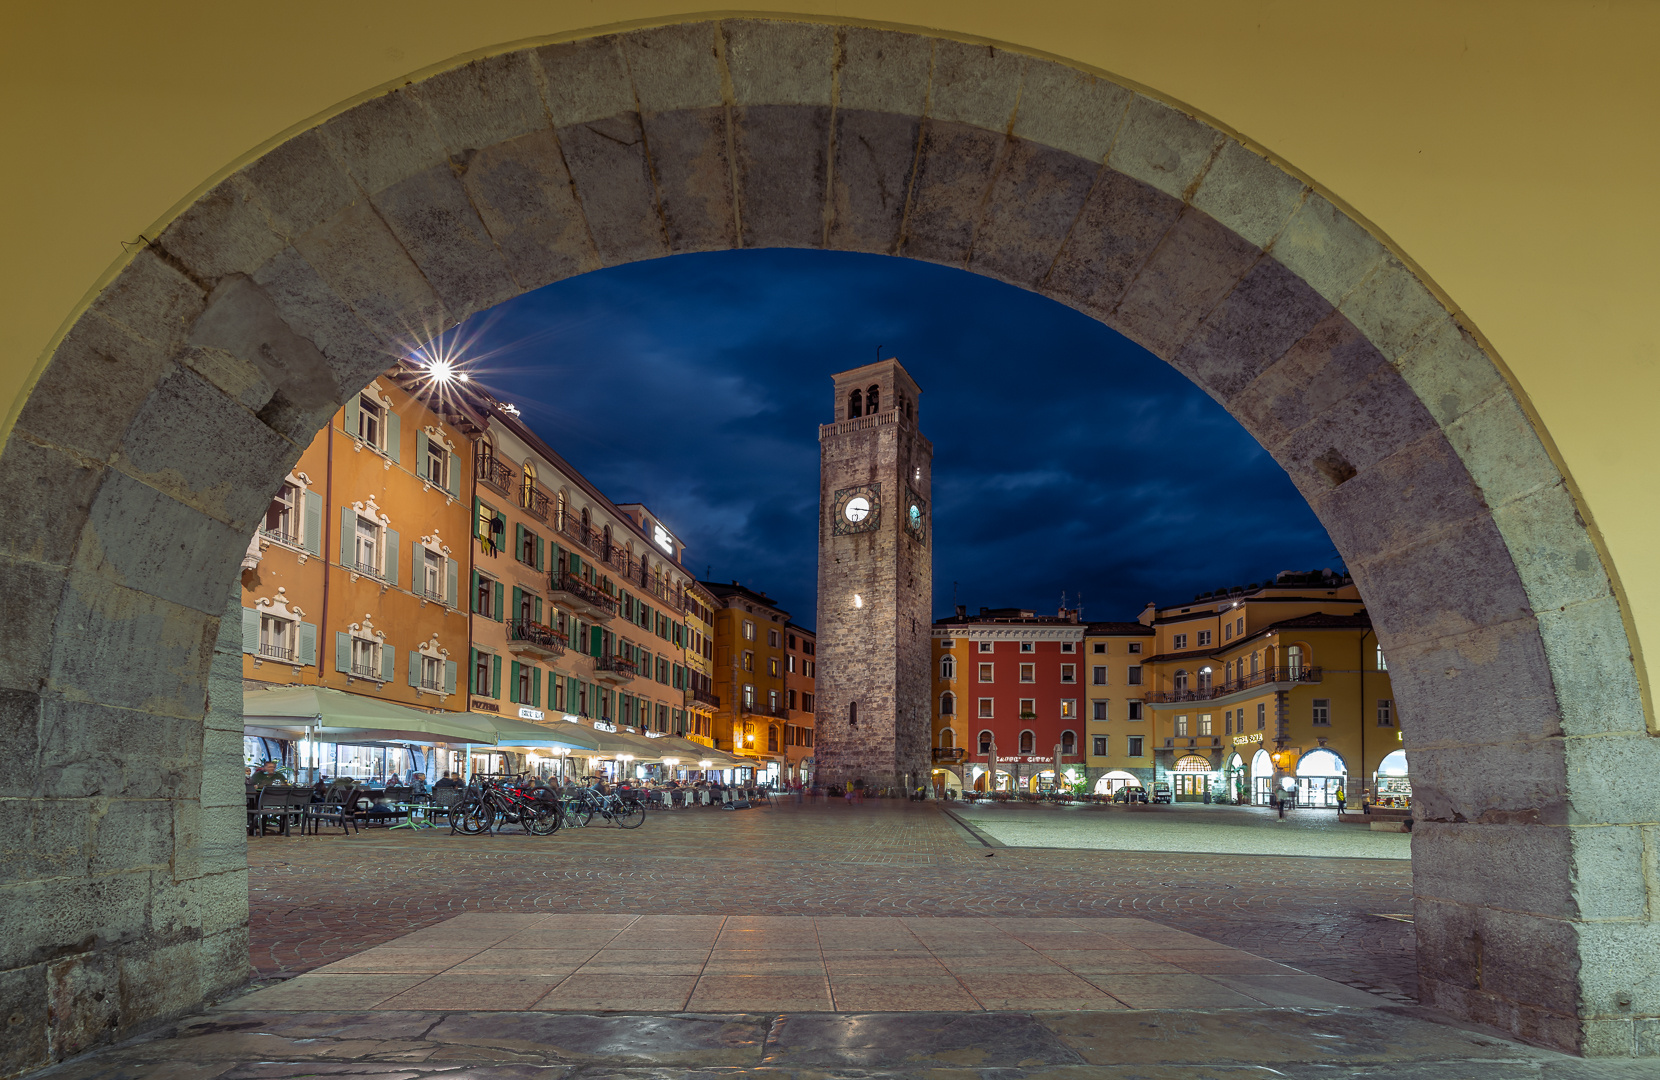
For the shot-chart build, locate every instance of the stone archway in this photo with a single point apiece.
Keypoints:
(174, 405)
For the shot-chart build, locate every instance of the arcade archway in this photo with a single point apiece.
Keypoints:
(172, 409)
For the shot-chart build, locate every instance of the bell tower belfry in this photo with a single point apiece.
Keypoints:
(875, 584)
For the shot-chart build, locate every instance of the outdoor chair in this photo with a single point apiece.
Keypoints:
(379, 808)
(333, 810)
(285, 804)
(444, 801)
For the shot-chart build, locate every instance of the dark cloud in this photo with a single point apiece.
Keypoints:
(1066, 457)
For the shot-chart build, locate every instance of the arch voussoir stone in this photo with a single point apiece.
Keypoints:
(176, 402)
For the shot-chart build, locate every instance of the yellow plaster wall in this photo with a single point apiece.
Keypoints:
(1506, 148)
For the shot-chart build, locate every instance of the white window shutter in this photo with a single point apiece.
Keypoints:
(342, 651)
(348, 536)
(414, 668)
(388, 661)
(393, 439)
(308, 643)
(449, 676)
(314, 523)
(250, 630)
(391, 549)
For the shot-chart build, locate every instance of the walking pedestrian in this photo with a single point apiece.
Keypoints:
(1342, 798)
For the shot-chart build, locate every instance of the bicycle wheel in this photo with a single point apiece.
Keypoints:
(544, 820)
(584, 813)
(474, 816)
(630, 815)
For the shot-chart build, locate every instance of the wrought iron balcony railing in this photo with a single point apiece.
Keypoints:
(275, 652)
(493, 473)
(535, 502)
(949, 753)
(1222, 688)
(616, 665)
(541, 637)
(587, 594)
(703, 697)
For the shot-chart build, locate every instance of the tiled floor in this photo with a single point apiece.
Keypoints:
(746, 964)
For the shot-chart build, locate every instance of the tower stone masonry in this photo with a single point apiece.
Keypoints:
(875, 583)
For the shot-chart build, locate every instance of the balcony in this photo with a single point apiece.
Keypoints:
(1269, 678)
(758, 709)
(950, 753)
(366, 569)
(365, 671)
(572, 529)
(275, 652)
(534, 639)
(282, 534)
(586, 600)
(535, 502)
(613, 669)
(702, 697)
(494, 474)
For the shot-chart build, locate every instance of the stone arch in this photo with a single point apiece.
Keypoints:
(169, 413)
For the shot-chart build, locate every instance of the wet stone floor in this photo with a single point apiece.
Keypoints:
(814, 941)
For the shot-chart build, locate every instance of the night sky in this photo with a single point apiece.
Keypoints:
(1066, 458)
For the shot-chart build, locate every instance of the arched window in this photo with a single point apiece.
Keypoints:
(854, 405)
(853, 713)
(607, 548)
(985, 742)
(1294, 662)
(948, 667)
(873, 399)
(528, 494)
(948, 738)
(587, 521)
(910, 410)
(1181, 680)
(559, 512)
(948, 704)
(772, 737)
(1028, 742)
(1204, 678)
(1069, 744)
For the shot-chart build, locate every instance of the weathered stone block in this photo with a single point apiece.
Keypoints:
(94, 382)
(308, 304)
(1552, 550)
(1448, 370)
(21, 736)
(1462, 581)
(953, 174)
(222, 841)
(226, 231)
(974, 85)
(144, 540)
(674, 68)
(43, 920)
(1259, 321)
(487, 101)
(1327, 248)
(779, 63)
(384, 140)
(1620, 968)
(1380, 418)
(586, 80)
(1501, 449)
(1611, 778)
(301, 183)
(1423, 485)
(523, 193)
(1195, 266)
(44, 839)
(1122, 222)
(1527, 961)
(1163, 147)
(1331, 362)
(51, 491)
(1035, 198)
(131, 834)
(1395, 311)
(692, 164)
(369, 269)
(1070, 110)
(782, 171)
(1248, 193)
(85, 998)
(1610, 864)
(29, 593)
(1592, 668)
(884, 72)
(204, 450)
(224, 961)
(1531, 866)
(1464, 784)
(1609, 1038)
(435, 222)
(161, 981)
(608, 165)
(24, 1005)
(102, 627)
(870, 185)
(96, 750)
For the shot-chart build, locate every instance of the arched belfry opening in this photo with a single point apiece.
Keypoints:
(174, 405)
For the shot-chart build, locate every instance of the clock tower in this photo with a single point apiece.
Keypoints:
(875, 584)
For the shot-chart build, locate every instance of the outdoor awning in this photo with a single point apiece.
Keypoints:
(336, 716)
(512, 732)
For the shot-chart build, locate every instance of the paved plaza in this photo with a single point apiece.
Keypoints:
(1193, 827)
(817, 940)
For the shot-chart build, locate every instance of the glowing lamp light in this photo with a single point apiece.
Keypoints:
(858, 601)
(705, 763)
(442, 372)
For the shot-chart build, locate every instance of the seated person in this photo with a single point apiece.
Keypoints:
(447, 781)
(418, 784)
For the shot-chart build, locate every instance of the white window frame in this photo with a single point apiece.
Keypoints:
(1386, 712)
(1100, 710)
(1028, 705)
(371, 423)
(1320, 712)
(369, 647)
(437, 454)
(1179, 642)
(293, 515)
(435, 666)
(1069, 708)
(748, 631)
(1099, 744)
(1206, 724)
(1069, 646)
(1028, 742)
(986, 646)
(1181, 725)
(376, 543)
(1135, 647)
(988, 673)
(1028, 673)
(1098, 675)
(1204, 639)
(1074, 751)
(987, 709)
(290, 633)
(1069, 673)
(1135, 711)
(1135, 747)
(948, 668)
(1028, 646)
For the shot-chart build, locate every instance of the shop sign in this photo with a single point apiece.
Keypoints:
(527, 713)
(601, 725)
(1245, 740)
(655, 734)
(485, 706)
(1025, 759)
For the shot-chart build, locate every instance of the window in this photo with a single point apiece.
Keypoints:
(276, 638)
(1100, 647)
(855, 405)
(484, 598)
(1227, 632)
(524, 683)
(1069, 646)
(481, 675)
(1100, 742)
(368, 546)
(436, 468)
(371, 422)
(1179, 681)
(1028, 742)
(790, 663)
(1322, 712)
(1135, 710)
(853, 713)
(772, 666)
(1135, 746)
(1069, 708)
(985, 673)
(432, 675)
(1098, 675)
(807, 705)
(748, 630)
(1181, 724)
(1205, 674)
(1027, 646)
(948, 668)
(1382, 666)
(431, 582)
(1135, 646)
(528, 543)
(1239, 626)
(1069, 744)
(772, 638)
(1135, 676)
(1180, 642)
(282, 521)
(985, 742)
(1262, 717)
(772, 736)
(948, 704)
(365, 658)
(948, 738)
(985, 708)
(873, 398)
(1028, 673)
(1204, 638)
(749, 696)
(1204, 724)
(1294, 662)
(1227, 722)
(1028, 706)
(985, 646)
(1069, 673)
(749, 660)
(1386, 713)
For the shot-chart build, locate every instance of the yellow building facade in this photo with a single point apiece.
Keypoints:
(1118, 742)
(749, 677)
(702, 701)
(800, 701)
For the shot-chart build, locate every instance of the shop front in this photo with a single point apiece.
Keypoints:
(1262, 778)
(1321, 774)
(1190, 778)
(1235, 783)
(1391, 786)
(1111, 783)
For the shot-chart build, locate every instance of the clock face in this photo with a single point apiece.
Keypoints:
(915, 508)
(858, 508)
(916, 516)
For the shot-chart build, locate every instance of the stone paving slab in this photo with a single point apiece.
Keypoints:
(669, 963)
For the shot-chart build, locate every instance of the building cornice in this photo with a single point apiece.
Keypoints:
(994, 632)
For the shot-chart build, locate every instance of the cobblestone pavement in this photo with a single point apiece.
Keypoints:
(318, 899)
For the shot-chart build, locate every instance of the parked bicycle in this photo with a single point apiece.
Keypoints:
(625, 813)
(536, 810)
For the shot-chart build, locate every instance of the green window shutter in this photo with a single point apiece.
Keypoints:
(250, 630)
(513, 682)
(455, 476)
(476, 527)
(314, 523)
(518, 598)
(393, 437)
(472, 671)
(472, 603)
(499, 612)
(451, 574)
(570, 693)
(342, 651)
(596, 639)
(414, 668)
(541, 561)
(495, 677)
(391, 548)
(537, 604)
(518, 540)
(350, 423)
(574, 564)
(388, 663)
(348, 536)
(420, 453)
(308, 643)
(536, 687)
(449, 676)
